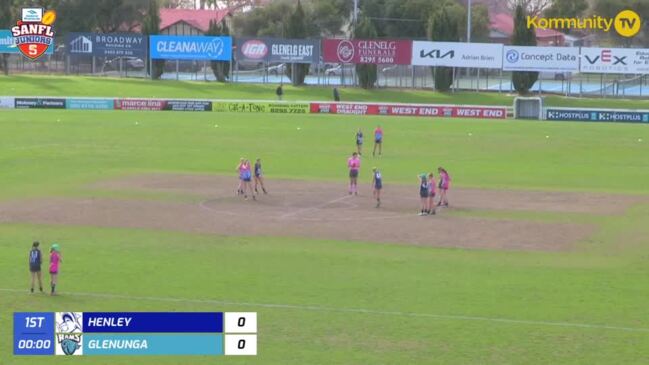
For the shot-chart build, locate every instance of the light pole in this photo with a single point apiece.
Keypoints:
(355, 13)
(468, 23)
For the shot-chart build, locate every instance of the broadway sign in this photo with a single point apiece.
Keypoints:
(453, 54)
(615, 60)
(542, 59)
(106, 45)
(278, 50)
(376, 51)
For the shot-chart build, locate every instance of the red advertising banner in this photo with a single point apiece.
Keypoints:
(377, 51)
(140, 104)
(449, 111)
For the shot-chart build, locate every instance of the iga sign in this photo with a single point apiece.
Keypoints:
(453, 54)
(450, 111)
(542, 59)
(193, 48)
(375, 51)
(278, 50)
(615, 60)
(106, 45)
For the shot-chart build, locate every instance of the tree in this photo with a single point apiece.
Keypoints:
(151, 26)
(114, 15)
(6, 21)
(221, 69)
(263, 21)
(479, 23)
(566, 9)
(531, 7)
(443, 28)
(296, 27)
(366, 72)
(523, 36)
(328, 17)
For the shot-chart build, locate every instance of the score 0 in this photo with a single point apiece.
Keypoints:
(240, 333)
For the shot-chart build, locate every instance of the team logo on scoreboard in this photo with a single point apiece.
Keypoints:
(69, 328)
(33, 33)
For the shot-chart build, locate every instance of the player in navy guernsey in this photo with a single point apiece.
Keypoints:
(35, 261)
(377, 185)
(359, 141)
(259, 177)
(423, 193)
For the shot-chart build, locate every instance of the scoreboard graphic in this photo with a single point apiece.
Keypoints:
(135, 333)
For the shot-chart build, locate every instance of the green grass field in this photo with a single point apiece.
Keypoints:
(331, 302)
(28, 85)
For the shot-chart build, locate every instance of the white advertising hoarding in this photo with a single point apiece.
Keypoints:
(454, 54)
(542, 59)
(615, 60)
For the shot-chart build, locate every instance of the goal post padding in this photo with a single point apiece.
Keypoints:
(526, 107)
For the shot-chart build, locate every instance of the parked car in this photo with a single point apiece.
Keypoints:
(127, 62)
(277, 69)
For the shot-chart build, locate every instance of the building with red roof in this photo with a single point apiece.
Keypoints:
(189, 21)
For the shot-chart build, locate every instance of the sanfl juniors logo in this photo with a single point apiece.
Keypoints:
(34, 33)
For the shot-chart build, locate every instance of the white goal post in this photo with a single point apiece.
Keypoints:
(528, 107)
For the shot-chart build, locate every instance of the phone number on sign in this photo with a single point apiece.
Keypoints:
(374, 59)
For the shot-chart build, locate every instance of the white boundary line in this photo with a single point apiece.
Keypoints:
(318, 308)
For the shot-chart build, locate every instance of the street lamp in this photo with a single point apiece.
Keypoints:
(468, 23)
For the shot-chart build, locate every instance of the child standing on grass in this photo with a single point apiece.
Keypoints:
(55, 261)
(35, 260)
(240, 173)
(377, 185)
(359, 142)
(378, 140)
(246, 176)
(259, 177)
(423, 194)
(444, 185)
(354, 165)
(431, 194)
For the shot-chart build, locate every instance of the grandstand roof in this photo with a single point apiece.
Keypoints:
(199, 19)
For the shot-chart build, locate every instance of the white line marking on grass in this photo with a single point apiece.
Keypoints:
(318, 308)
(315, 207)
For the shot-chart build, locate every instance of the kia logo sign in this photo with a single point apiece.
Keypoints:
(512, 56)
(345, 51)
(254, 49)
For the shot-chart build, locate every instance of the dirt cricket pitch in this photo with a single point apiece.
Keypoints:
(321, 210)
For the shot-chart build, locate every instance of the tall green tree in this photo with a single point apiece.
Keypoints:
(221, 69)
(296, 27)
(566, 9)
(523, 36)
(151, 26)
(366, 73)
(479, 23)
(6, 21)
(443, 28)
